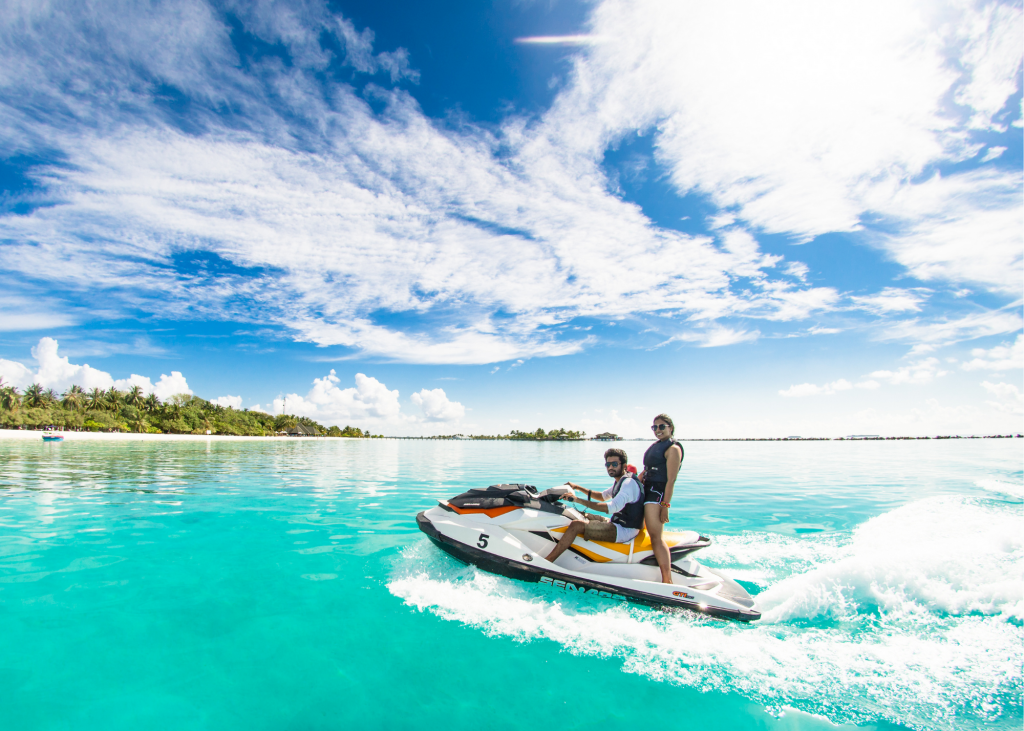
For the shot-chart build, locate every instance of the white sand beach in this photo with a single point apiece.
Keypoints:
(74, 436)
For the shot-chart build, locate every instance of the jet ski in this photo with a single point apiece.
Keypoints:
(509, 529)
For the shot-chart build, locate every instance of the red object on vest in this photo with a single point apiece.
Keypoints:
(631, 468)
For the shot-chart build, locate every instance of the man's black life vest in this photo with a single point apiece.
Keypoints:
(632, 514)
(655, 463)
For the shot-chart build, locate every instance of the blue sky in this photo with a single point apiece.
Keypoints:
(473, 217)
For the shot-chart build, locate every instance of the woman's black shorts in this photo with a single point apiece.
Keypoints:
(654, 492)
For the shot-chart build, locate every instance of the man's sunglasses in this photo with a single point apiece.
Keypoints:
(658, 427)
(612, 464)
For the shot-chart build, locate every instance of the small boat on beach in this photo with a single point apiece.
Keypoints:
(51, 435)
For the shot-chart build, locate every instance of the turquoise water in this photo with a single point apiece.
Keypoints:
(283, 585)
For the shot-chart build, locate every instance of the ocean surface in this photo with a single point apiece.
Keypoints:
(284, 585)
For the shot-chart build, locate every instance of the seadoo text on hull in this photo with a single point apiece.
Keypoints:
(509, 529)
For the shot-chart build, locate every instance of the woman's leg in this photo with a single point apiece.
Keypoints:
(652, 519)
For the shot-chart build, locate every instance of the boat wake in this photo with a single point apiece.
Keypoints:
(914, 617)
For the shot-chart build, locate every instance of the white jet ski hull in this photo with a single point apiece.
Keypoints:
(513, 542)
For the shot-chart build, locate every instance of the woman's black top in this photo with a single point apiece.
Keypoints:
(655, 464)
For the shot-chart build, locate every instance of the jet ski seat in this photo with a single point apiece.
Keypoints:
(679, 545)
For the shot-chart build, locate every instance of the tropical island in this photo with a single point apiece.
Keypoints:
(538, 435)
(134, 411)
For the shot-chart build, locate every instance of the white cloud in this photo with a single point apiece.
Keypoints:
(797, 269)
(848, 116)
(1000, 358)
(715, 337)
(810, 389)
(600, 421)
(15, 374)
(961, 228)
(331, 211)
(234, 402)
(57, 372)
(892, 299)
(920, 372)
(432, 221)
(369, 404)
(370, 400)
(575, 40)
(993, 153)
(437, 407)
(946, 331)
(171, 385)
(11, 321)
(1011, 399)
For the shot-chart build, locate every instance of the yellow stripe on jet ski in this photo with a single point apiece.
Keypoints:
(641, 543)
(590, 554)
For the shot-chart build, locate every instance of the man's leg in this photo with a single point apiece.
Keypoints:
(575, 528)
(603, 531)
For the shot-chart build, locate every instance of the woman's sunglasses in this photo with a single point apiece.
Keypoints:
(658, 427)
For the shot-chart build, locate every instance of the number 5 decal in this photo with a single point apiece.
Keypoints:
(483, 540)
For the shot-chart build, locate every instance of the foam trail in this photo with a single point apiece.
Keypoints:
(1013, 489)
(915, 618)
(946, 554)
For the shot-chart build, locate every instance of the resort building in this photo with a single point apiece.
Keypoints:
(607, 437)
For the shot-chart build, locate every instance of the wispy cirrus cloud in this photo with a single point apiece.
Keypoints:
(928, 335)
(570, 40)
(317, 211)
(882, 74)
(340, 211)
(892, 300)
(826, 389)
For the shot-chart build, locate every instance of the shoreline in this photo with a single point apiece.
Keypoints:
(90, 436)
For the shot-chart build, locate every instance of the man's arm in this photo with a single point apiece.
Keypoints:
(599, 507)
(590, 493)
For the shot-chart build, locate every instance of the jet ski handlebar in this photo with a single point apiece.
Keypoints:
(553, 494)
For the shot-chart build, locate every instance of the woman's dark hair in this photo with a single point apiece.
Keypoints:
(668, 420)
(620, 453)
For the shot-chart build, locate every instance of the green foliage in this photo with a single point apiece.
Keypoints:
(540, 434)
(114, 410)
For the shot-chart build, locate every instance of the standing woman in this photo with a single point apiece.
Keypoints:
(661, 467)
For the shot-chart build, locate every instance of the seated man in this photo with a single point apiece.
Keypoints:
(625, 506)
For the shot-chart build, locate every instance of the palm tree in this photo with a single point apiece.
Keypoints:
(151, 402)
(34, 395)
(50, 396)
(74, 398)
(113, 398)
(135, 397)
(10, 399)
(95, 399)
